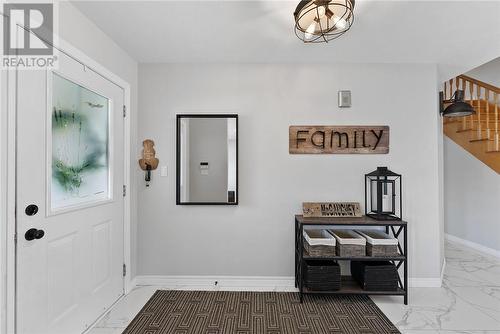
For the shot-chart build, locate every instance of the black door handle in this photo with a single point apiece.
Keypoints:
(31, 210)
(33, 233)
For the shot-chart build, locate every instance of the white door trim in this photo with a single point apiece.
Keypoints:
(7, 260)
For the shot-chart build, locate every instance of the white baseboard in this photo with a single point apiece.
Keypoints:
(223, 283)
(133, 283)
(245, 283)
(430, 282)
(473, 245)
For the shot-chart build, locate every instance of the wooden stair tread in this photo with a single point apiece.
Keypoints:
(479, 140)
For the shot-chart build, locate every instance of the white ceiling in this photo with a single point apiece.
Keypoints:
(452, 34)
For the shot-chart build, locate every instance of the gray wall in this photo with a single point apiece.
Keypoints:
(472, 189)
(208, 143)
(255, 238)
(472, 197)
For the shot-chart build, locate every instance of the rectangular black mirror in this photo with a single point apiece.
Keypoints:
(207, 159)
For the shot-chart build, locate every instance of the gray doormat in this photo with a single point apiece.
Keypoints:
(225, 312)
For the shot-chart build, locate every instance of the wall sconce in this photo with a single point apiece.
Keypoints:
(148, 162)
(456, 106)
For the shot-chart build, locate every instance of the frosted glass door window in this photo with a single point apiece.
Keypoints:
(80, 145)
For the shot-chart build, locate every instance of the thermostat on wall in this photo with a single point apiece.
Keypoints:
(344, 98)
(204, 168)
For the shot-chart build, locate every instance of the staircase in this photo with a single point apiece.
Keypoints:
(478, 133)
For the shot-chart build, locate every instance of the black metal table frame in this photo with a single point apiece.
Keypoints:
(395, 227)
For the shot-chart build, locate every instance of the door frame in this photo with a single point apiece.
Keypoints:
(8, 284)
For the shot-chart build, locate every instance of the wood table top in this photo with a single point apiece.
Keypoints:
(364, 220)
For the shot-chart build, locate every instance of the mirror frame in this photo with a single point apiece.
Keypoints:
(178, 156)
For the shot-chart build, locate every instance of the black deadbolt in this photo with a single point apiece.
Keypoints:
(31, 210)
(33, 233)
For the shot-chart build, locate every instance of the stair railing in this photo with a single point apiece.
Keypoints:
(484, 125)
(496, 137)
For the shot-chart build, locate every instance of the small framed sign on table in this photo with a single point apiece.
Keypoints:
(331, 209)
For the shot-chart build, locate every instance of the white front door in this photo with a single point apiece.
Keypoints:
(70, 173)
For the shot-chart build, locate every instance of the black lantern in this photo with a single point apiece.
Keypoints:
(383, 194)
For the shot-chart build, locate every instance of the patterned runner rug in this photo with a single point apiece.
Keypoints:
(225, 312)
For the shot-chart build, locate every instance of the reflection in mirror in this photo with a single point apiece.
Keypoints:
(207, 159)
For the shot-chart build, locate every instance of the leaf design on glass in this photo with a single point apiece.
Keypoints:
(80, 166)
(80, 151)
(94, 105)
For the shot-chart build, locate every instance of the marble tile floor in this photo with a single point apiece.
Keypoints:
(467, 303)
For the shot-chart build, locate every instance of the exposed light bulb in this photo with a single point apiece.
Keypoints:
(310, 30)
(339, 23)
(323, 20)
(321, 11)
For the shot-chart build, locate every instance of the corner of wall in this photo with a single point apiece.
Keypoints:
(440, 168)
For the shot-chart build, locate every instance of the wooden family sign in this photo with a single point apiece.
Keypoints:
(338, 139)
(334, 209)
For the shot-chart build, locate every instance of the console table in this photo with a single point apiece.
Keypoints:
(349, 286)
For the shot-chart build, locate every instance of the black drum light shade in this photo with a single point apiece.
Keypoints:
(319, 21)
(457, 107)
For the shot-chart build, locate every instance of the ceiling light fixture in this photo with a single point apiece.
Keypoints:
(456, 105)
(320, 21)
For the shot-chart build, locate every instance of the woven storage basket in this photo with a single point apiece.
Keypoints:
(379, 243)
(319, 243)
(349, 243)
(375, 275)
(322, 275)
